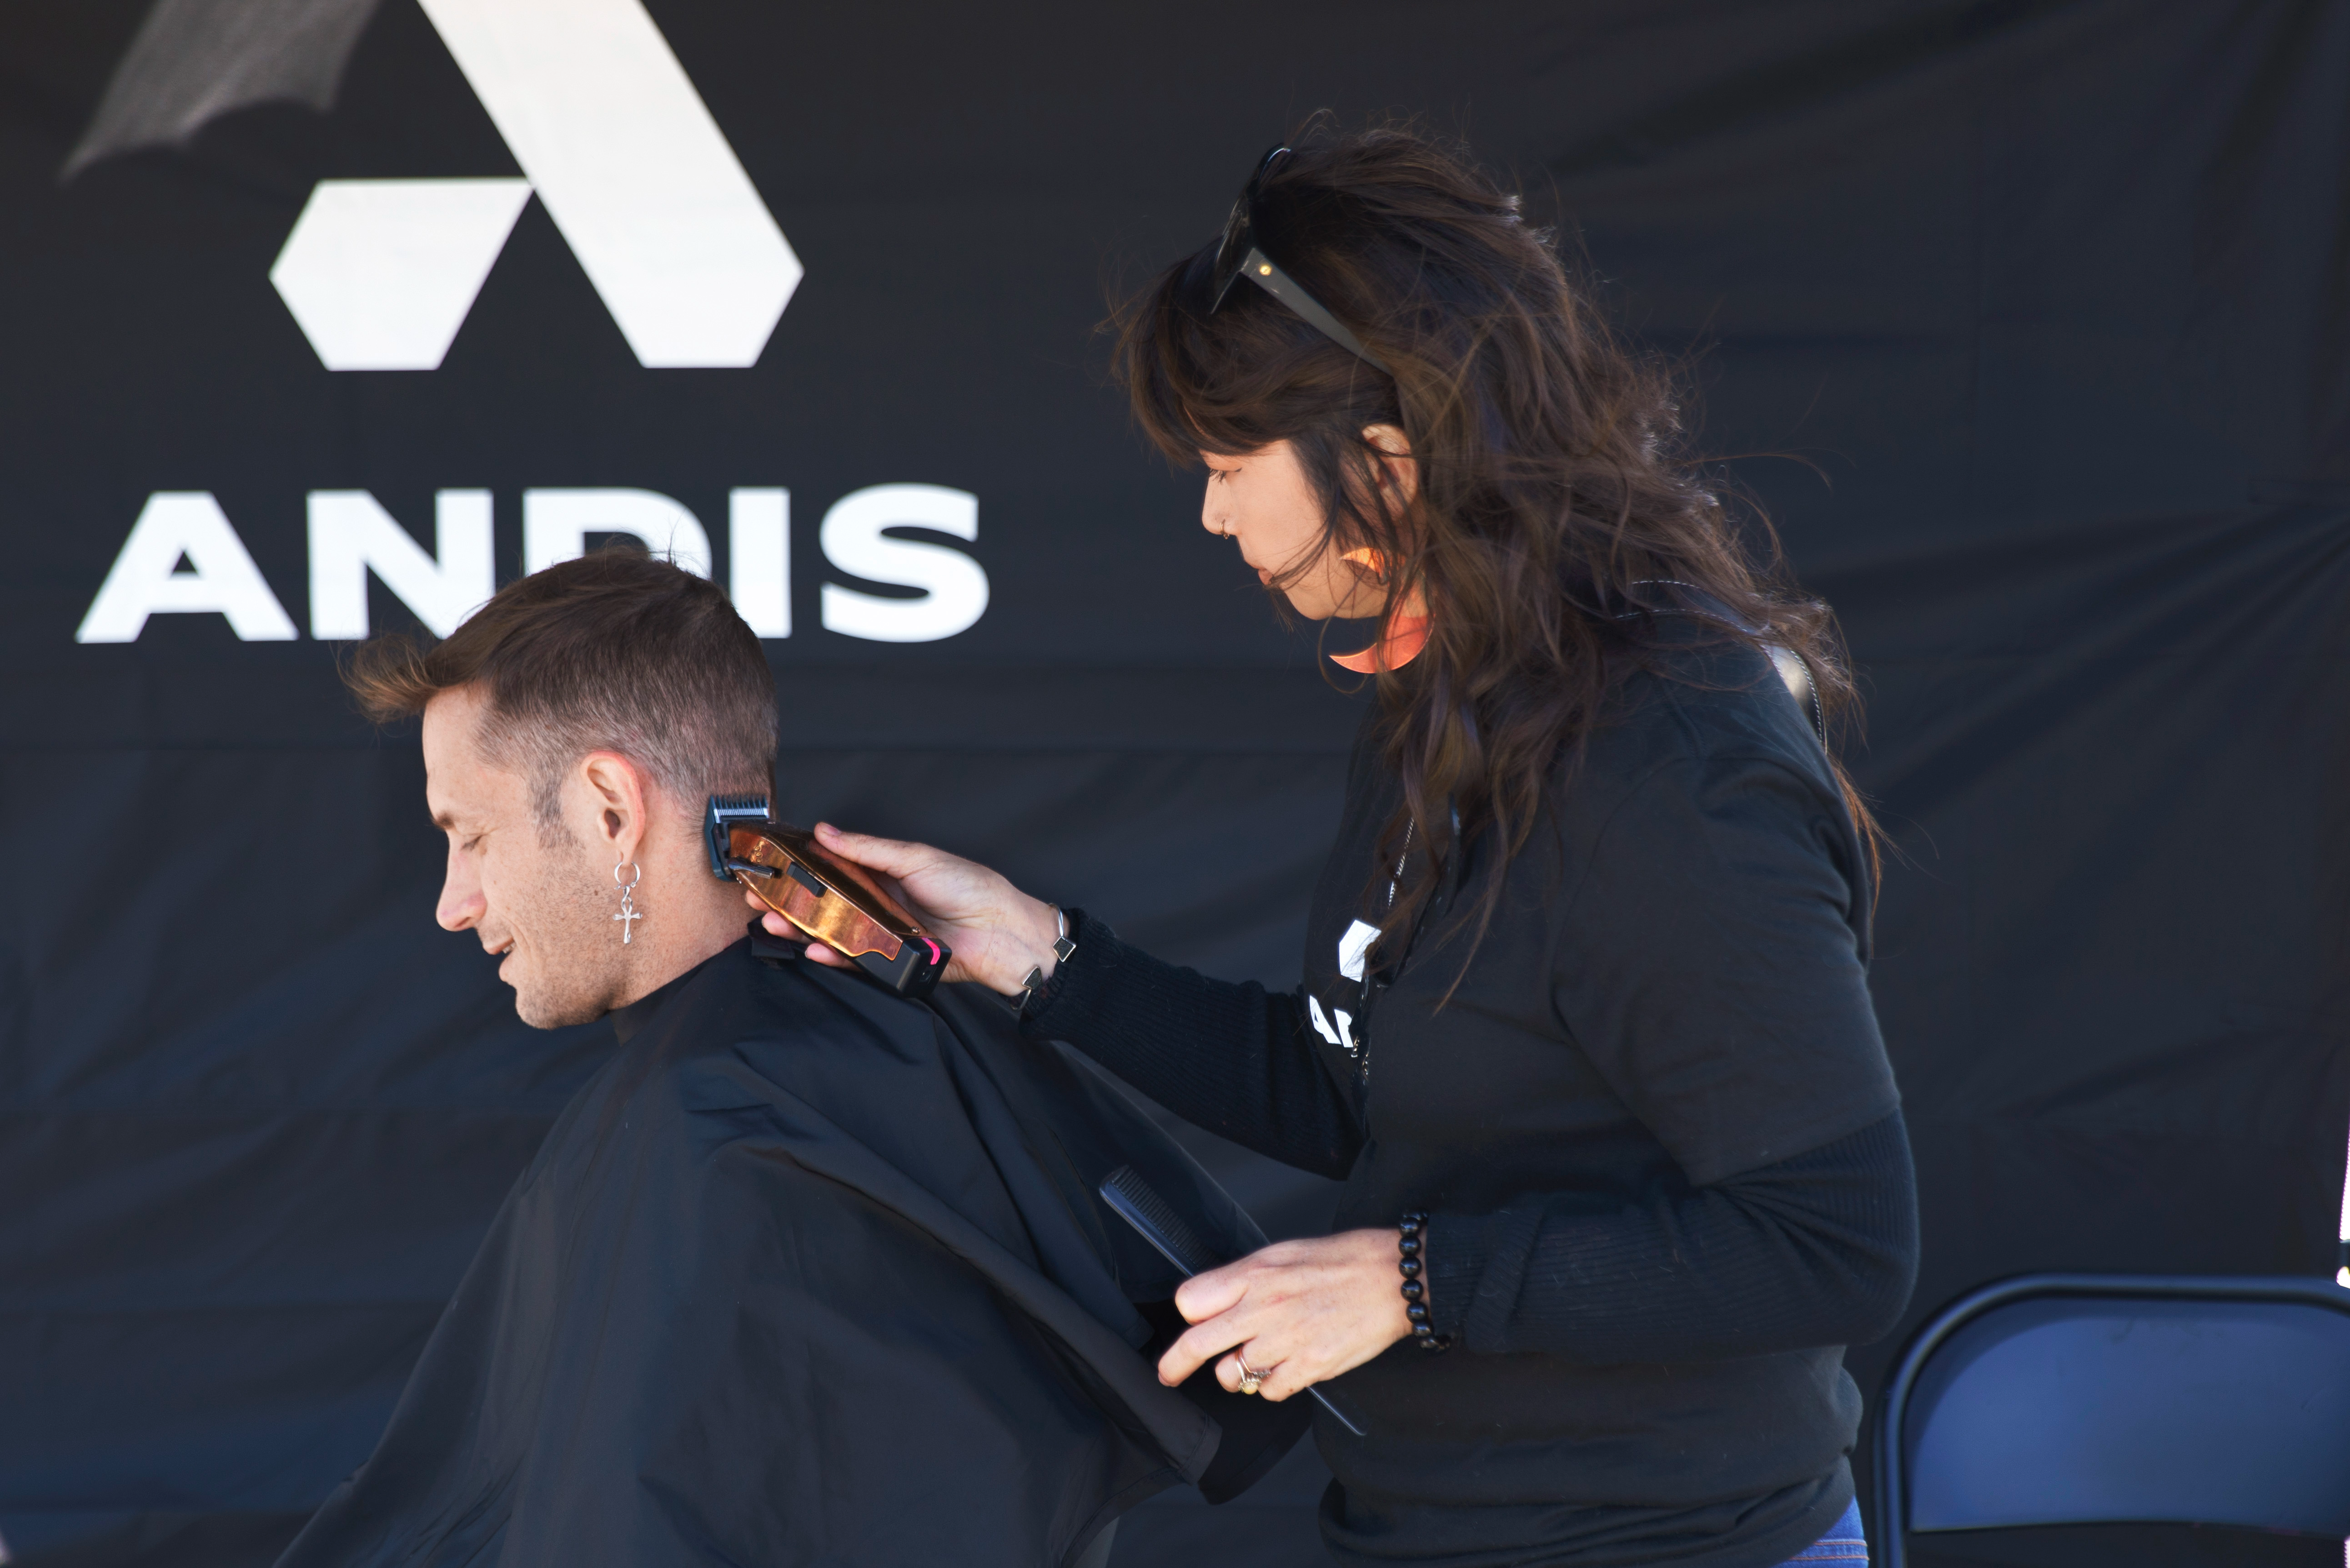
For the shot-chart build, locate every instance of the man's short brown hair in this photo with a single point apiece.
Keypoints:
(613, 651)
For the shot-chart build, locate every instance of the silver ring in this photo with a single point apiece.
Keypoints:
(1250, 1380)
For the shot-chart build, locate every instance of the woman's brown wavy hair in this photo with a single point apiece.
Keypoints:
(1557, 521)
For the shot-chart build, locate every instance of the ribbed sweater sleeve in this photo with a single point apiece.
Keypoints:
(1821, 1248)
(1233, 1058)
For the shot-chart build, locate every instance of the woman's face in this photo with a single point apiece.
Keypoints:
(1264, 504)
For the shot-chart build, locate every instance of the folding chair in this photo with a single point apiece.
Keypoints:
(2112, 1398)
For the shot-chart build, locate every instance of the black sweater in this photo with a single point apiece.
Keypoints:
(1816, 1249)
(1654, 1123)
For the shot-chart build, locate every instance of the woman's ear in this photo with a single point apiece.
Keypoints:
(617, 792)
(1399, 471)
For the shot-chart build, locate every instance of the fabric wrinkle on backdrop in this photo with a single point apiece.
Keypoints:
(2042, 298)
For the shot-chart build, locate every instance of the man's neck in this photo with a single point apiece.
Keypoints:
(688, 916)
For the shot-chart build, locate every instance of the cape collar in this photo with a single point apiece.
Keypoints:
(627, 1021)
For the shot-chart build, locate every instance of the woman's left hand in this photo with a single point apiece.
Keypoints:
(1298, 1312)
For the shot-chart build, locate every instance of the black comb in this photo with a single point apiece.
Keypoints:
(1159, 1225)
(1140, 1205)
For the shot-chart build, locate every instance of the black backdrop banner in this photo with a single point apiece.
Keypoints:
(348, 308)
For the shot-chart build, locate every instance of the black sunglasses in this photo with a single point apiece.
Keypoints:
(1239, 258)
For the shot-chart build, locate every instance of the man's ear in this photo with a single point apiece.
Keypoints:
(615, 788)
(1399, 471)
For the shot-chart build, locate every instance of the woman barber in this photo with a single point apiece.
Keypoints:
(1585, 1028)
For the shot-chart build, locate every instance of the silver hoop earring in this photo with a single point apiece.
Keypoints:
(628, 915)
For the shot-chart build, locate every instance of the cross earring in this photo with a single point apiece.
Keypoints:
(629, 915)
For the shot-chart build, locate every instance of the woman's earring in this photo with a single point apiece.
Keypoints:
(627, 916)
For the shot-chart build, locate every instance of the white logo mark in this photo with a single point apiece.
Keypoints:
(1344, 1035)
(379, 274)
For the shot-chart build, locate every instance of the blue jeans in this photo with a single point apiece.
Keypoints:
(1844, 1542)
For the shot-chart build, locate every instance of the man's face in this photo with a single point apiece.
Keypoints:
(545, 906)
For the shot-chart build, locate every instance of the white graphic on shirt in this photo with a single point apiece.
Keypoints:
(1353, 947)
(1343, 1037)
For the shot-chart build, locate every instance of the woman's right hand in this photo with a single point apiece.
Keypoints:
(997, 932)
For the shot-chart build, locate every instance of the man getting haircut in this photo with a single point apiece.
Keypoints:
(807, 1272)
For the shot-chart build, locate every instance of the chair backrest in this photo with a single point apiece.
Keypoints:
(2097, 1398)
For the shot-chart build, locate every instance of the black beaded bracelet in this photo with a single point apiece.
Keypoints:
(1415, 1303)
(1063, 947)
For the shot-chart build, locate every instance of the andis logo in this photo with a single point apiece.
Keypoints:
(612, 137)
(379, 274)
(183, 557)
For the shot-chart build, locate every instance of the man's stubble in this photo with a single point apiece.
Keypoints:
(580, 965)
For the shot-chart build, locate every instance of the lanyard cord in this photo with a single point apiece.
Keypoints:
(1371, 986)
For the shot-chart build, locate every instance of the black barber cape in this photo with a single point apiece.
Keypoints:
(808, 1273)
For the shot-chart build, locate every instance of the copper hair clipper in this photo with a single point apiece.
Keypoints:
(826, 899)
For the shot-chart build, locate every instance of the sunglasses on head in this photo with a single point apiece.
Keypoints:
(1238, 257)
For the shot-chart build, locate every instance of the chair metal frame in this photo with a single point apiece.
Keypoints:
(1892, 1478)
